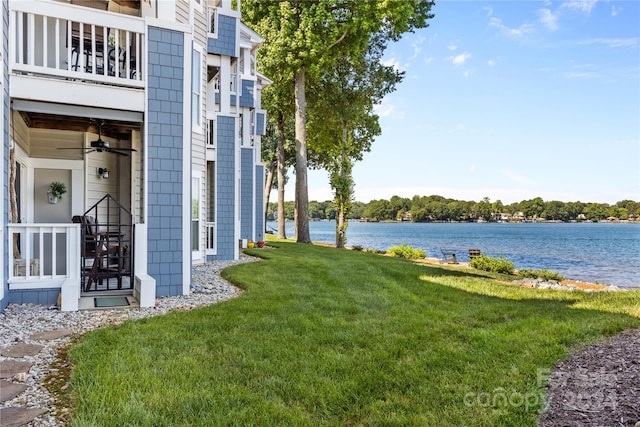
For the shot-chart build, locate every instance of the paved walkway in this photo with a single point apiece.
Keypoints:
(14, 375)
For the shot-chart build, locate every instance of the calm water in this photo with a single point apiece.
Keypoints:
(603, 253)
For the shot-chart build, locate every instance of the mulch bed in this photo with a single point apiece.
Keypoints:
(599, 386)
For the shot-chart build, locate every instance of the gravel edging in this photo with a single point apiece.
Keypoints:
(18, 323)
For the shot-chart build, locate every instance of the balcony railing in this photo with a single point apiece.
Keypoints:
(47, 253)
(73, 42)
(233, 83)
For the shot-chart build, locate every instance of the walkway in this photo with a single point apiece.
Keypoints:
(14, 373)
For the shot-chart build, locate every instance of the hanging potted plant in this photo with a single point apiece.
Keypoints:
(56, 190)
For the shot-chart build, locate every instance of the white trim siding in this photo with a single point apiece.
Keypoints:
(186, 169)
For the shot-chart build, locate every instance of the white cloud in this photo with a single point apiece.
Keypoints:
(628, 42)
(472, 168)
(581, 75)
(458, 127)
(518, 179)
(452, 47)
(580, 5)
(512, 32)
(460, 59)
(385, 109)
(467, 73)
(491, 63)
(429, 60)
(417, 47)
(614, 11)
(489, 10)
(548, 19)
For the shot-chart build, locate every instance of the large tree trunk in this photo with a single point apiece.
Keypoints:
(267, 189)
(341, 229)
(342, 195)
(282, 234)
(302, 190)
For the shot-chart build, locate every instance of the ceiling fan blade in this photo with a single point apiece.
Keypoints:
(115, 151)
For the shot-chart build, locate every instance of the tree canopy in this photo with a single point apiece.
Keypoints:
(306, 39)
(437, 208)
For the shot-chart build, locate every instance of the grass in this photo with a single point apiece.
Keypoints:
(332, 337)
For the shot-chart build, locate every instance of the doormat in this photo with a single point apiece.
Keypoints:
(111, 302)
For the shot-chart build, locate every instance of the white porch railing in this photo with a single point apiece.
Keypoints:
(211, 236)
(233, 84)
(49, 254)
(63, 40)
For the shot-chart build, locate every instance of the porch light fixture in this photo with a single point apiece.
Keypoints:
(104, 172)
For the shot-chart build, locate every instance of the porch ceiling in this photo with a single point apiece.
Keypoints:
(111, 128)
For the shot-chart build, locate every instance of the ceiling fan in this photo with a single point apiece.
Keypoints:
(101, 145)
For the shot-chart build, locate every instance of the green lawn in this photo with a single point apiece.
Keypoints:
(332, 337)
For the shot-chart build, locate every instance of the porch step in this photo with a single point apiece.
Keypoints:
(107, 302)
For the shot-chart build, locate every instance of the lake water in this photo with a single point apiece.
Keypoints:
(594, 252)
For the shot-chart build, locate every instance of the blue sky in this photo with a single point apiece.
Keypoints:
(510, 100)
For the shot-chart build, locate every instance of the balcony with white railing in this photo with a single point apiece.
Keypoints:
(64, 41)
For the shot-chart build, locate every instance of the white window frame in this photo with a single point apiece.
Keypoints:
(196, 190)
(196, 121)
(212, 139)
(212, 11)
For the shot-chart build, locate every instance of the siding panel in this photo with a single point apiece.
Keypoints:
(225, 44)
(165, 154)
(225, 188)
(246, 194)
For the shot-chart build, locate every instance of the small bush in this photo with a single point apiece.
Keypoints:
(407, 252)
(545, 275)
(495, 265)
(357, 248)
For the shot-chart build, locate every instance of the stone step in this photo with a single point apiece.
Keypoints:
(10, 368)
(51, 335)
(15, 416)
(20, 350)
(10, 390)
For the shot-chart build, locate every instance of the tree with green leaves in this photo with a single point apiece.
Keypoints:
(303, 38)
(343, 125)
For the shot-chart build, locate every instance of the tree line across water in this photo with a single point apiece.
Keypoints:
(438, 208)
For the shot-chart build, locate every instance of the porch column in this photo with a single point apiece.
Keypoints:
(168, 153)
